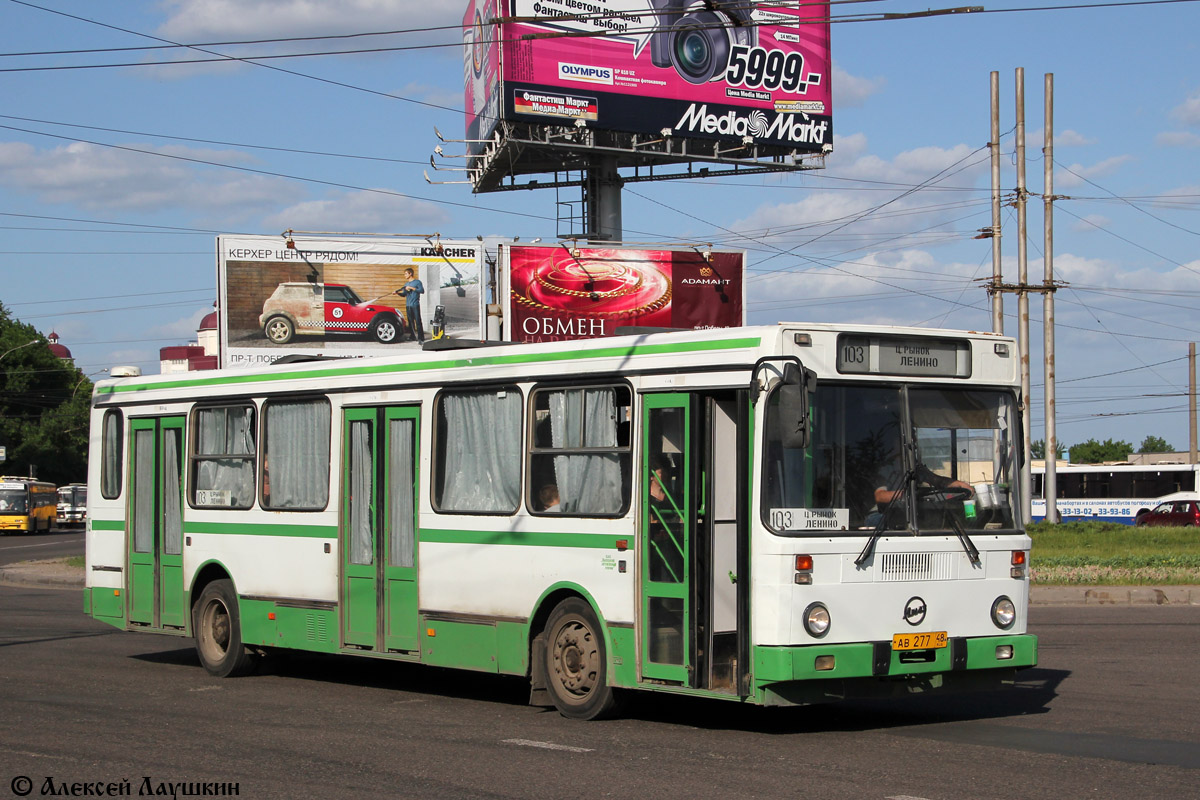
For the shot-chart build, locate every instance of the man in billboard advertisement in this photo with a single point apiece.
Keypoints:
(720, 69)
(562, 293)
(352, 297)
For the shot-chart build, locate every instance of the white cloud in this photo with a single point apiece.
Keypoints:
(1092, 223)
(99, 177)
(1177, 139)
(183, 329)
(851, 91)
(1071, 139)
(1078, 172)
(361, 212)
(1188, 112)
(198, 20)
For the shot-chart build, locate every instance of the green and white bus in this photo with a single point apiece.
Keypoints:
(772, 515)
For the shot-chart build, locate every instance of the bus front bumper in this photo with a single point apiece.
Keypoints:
(827, 673)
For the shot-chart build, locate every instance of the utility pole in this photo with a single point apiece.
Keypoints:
(1050, 484)
(997, 272)
(1191, 402)
(1022, 293)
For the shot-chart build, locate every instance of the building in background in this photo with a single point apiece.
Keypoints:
(194, 356)
(58, 349)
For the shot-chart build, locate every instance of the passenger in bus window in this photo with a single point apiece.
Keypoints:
(548, 497)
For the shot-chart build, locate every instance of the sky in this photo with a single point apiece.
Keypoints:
(115, 180)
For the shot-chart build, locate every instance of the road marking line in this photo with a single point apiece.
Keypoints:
(548, 745)
(27, 546)
(904, 797)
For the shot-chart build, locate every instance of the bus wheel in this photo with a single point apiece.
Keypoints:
(576, 664)
(218, 632)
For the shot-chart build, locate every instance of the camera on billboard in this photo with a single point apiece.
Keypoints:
(696, 37)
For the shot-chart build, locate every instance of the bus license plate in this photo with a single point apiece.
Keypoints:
(919, 641)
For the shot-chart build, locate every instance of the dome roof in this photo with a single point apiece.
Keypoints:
(57, 349)
(209, 323)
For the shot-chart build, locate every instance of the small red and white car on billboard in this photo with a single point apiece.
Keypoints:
(302, 308)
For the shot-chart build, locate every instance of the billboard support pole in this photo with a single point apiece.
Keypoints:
(603, 200)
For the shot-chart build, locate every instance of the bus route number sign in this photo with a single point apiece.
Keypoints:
(810, 519)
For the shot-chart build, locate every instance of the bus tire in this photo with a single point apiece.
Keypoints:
(576, 662)
(216, 625)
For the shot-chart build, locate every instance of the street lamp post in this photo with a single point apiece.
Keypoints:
(18, 347)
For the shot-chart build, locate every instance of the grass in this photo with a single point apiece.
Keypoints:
(75, 561)
(1101, 553)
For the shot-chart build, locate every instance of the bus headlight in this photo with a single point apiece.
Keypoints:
(816, 620)
(1004, 613)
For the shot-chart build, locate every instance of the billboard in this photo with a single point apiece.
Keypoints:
(342, 297)
(558, 293)
(731, 70)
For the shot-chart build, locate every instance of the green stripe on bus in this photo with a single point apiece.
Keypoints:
(597, 541)
(455, 363)
(108, 524)
(262, 529)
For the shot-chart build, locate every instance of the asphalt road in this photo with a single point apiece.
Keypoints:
(1111, 712)
(35, 547)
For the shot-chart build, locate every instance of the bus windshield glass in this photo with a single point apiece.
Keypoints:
(14, 501)
(894, 458)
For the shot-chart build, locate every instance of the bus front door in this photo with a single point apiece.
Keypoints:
(379, 529)
(668, 523)
(154, 595)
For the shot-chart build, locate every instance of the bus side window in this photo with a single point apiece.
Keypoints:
(223, 457)
(111, 454)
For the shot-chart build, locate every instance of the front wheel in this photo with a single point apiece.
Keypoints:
(217, 627)
(576, 663)
(385, 330)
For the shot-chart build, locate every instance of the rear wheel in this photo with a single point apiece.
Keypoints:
(279, 330)
(218, 631)
(576, 663)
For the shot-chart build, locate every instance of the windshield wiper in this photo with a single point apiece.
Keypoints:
(968, 545)
(899, 498)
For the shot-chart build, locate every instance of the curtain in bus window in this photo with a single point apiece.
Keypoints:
(587, 483)
(400, 493)
(172, 513)
(296, 464)
(110, 465)
(481, 465)
(227, 431)
(143, 491)
(361, 549)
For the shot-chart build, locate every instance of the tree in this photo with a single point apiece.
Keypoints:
(44, 405)
(1039, 449)
(1094, 452)
(1155, 444)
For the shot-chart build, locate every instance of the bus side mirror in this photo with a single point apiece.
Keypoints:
(794, 408)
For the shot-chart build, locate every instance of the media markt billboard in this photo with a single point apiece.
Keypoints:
(558, 293)
(719, 69)
(342, 296)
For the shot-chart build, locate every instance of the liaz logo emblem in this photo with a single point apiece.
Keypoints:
(914, 611)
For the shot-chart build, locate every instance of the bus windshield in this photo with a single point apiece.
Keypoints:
(14, 501)
(896, 458)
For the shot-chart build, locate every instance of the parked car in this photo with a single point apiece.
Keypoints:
(1175, 511)
(319, 308)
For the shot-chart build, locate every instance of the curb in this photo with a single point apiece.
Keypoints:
(51, 574)
(1114, 596)
(54, 574)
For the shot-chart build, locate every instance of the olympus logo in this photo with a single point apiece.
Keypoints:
(786, 127)
(914, 611)
(584, 73)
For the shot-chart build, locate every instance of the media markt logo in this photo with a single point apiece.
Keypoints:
(796, 128)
